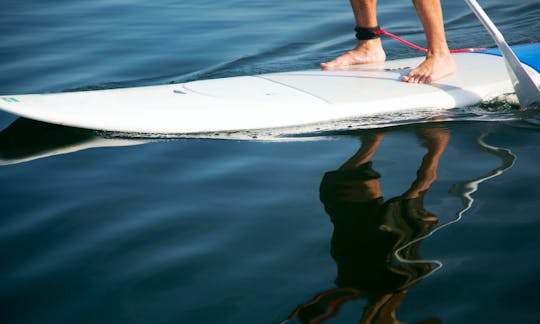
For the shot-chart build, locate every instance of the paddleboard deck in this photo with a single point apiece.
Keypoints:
(270, 100)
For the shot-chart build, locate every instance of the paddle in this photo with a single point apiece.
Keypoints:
(526, 89)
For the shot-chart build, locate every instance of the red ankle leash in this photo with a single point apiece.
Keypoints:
(416, 47)
(363, 33)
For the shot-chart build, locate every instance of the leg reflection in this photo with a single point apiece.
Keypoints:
(368, 230)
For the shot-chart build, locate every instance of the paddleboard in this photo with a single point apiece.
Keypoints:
(276, 99)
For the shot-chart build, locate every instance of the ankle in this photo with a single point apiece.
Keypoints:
(374, 43)
(442, 51)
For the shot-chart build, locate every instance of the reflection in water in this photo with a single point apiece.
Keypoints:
(464, 190)
(467, 188)
(375, 243)
(25, 140)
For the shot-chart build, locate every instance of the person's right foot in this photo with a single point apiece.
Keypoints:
(435, 67)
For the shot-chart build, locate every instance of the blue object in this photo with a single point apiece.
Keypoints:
(526, 53)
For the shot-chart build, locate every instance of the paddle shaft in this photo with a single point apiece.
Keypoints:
(526, 89)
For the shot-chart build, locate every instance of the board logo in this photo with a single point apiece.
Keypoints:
(10, 99)
(397, 68)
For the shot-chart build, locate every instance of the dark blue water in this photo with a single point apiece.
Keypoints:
(434, 222)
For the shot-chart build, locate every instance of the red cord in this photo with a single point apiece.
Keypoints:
(416, 47)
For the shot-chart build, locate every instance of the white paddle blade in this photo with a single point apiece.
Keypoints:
(526, 89)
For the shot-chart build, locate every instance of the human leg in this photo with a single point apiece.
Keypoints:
(370, 143)
(435, 139)
(439, 62)
(366, 51)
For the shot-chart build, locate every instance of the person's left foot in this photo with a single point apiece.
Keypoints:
(435, 67)
(365, 52)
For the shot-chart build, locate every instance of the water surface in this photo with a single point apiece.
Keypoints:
(103, 227)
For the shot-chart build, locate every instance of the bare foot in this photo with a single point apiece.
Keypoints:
(434, 67)
(367, 51)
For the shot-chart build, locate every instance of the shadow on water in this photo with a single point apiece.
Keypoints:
(25, 140)
(375, 243)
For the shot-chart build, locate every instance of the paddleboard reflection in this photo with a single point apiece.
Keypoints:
(26, 140)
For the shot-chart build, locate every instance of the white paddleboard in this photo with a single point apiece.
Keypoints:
(268, 100)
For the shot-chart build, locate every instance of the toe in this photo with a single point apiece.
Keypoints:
(422, 79)
(407, 77)
(411, 78)
(328, 65)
